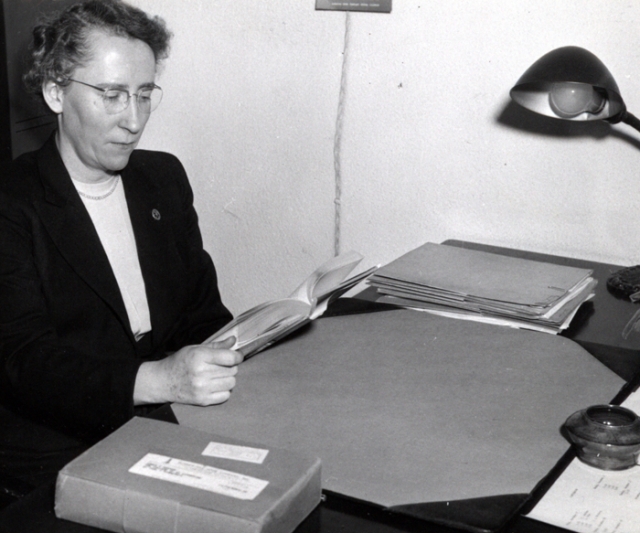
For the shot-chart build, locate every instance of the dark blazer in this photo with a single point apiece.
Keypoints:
(68, 358)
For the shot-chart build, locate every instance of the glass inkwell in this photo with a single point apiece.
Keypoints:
(605, 436)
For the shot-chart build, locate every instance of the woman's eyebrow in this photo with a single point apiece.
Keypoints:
(126, 87)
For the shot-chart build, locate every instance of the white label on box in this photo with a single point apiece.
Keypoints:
(236, 453)
(199, 476)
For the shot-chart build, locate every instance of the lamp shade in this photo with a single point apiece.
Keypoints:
(570, 83)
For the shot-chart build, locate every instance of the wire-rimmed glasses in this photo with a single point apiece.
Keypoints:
(117, 100)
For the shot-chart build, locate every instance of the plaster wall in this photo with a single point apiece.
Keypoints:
(430, 146)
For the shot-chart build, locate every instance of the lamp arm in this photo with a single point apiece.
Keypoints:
(626, 117)
(630, 119)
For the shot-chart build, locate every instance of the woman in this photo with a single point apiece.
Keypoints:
(102, 268)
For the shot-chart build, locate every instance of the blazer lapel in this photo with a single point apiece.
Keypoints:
(160, 272)
(70, 227)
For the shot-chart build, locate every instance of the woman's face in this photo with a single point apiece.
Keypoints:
(94, 144)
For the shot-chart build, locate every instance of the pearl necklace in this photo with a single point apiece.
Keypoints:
(101, 196)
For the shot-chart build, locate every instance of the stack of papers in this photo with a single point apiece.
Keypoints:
(485, 287)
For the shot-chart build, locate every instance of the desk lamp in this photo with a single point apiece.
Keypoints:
(570, 83)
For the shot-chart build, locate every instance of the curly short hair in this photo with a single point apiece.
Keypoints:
(60, 43)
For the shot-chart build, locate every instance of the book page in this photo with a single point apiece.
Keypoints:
(326, 277)
(348, 284)
(262, 322)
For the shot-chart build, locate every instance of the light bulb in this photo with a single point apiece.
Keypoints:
(570, 99)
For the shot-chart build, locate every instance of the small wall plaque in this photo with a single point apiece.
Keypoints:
(376, 6)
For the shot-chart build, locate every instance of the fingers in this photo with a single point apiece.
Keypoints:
(210, 391)
(215, 385)
(225, 344)
(222, 357)
(210, 371)
(219, 397)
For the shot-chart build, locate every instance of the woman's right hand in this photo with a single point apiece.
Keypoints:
(197, 375)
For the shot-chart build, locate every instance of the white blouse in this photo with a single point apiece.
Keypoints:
(107, 206)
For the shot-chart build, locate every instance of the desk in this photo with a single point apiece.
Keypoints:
(597, 332)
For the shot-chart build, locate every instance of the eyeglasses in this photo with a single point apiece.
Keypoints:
(117, 100)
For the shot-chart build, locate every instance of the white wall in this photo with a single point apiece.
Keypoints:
(431, 147)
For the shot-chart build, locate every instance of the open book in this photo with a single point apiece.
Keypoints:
(268, 322)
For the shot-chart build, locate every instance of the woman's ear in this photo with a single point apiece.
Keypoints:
(53, 95)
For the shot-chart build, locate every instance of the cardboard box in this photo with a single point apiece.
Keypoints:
(155, 477)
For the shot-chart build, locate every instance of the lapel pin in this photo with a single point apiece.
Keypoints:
(155, 214)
